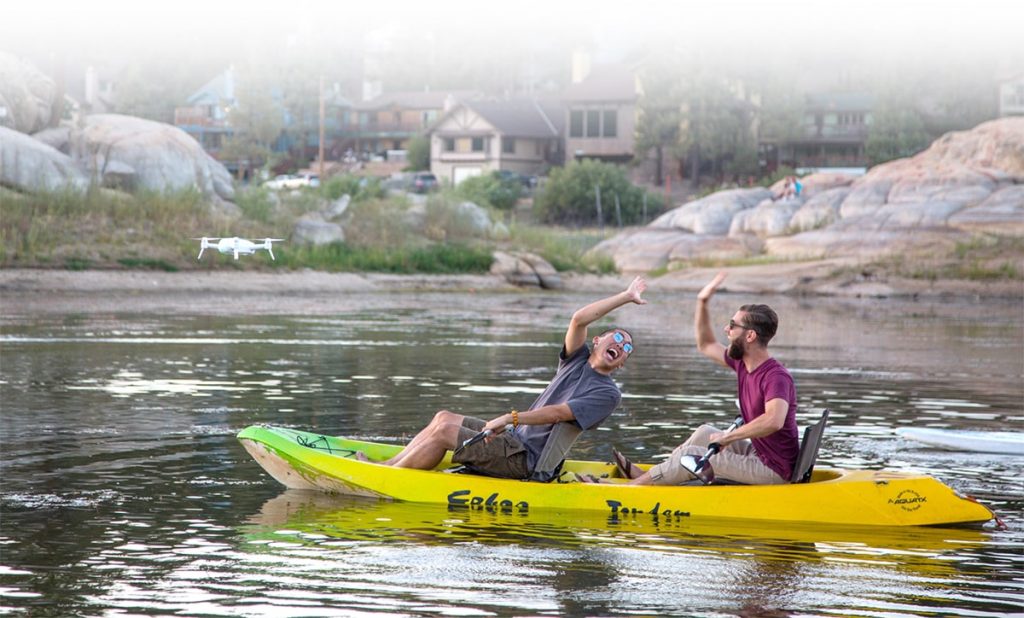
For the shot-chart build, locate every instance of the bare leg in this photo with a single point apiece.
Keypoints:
(443, 417)
(431, 450)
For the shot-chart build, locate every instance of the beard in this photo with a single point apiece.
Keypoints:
(737, 348)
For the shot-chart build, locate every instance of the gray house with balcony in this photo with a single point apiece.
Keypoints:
(832, 134)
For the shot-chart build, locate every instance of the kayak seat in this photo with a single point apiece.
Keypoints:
(809, 450)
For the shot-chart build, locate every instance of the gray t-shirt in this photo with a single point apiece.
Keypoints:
(591, 396)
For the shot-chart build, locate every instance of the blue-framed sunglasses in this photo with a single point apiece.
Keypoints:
(618, 338)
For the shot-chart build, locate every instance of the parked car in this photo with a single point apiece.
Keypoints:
(422, 182)
(527, 182)
(293, 181)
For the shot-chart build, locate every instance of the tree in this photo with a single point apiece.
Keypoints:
(658, 119)
(897, 131)
(419, 153)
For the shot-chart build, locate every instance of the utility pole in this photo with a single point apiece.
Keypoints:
(321, 153)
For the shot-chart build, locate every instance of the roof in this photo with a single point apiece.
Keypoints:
(415, 99)
(841, 102)
(220, 88)
(607, 82)
(522, 117)
(518, 117)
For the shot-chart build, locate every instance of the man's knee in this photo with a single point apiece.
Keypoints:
(444, 417)
(701, 436)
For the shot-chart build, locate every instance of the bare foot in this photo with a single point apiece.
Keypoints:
(361, 456)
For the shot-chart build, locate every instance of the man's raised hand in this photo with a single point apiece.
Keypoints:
(636, 290)
(709, 289)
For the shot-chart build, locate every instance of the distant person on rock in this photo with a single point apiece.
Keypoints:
(580, 397)
(765, 448)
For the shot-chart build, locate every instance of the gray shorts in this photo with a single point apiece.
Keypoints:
(503, 457)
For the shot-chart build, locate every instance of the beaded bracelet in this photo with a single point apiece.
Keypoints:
(515, 419)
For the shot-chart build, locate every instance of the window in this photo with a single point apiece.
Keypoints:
(593, 123)
(508, 145)
(478, 144)
(611, 118)
(449, 144)
(576, 123)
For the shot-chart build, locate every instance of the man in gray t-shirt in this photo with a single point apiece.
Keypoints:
(579, 397)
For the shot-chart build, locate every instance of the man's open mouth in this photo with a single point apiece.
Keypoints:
(612, 354)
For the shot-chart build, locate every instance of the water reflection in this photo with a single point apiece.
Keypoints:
(124, 489)
(594, 563)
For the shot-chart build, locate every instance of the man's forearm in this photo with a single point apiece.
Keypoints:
(600, 308)
(702, 325)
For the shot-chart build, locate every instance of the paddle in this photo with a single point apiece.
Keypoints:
(701, 468)
(478, 437)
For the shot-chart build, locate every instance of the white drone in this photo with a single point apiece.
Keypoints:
(236, 245)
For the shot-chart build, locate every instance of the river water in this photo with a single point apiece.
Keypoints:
(125, 492)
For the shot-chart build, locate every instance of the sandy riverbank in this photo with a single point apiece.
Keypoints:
(26, 291)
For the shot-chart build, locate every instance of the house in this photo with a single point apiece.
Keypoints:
(477, 137)
(1011, 96)
(388, 121)
(600, 113)
(206, 116)
(833, 133)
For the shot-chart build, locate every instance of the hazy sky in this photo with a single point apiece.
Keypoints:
(820, 26)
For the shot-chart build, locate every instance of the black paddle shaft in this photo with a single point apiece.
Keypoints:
(714, 447)
(478, 437)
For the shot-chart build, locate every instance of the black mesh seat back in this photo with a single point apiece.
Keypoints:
(809, 450)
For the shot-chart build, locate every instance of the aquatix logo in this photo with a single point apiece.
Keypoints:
(908, 500)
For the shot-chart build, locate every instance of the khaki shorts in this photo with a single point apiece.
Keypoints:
(736, 462)
(503, 457)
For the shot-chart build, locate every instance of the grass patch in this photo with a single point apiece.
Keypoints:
(432, 259)
(148, 264)
(564, 248)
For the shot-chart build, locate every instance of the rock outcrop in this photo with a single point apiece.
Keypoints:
(965, 182)
(27, 95)
(148, 155)
(522, 268)
(29, 165)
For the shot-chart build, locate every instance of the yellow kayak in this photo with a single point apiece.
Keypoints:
(303, 460)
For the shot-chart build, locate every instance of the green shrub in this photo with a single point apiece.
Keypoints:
(446, 219)
(570, 196)
(256, 203)
(491, 190)
(358, 187)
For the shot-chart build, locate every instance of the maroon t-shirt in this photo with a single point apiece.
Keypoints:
(769, 381)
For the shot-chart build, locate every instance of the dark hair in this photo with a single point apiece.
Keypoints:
(762, 320)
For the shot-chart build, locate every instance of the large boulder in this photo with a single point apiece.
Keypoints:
(712, 214)
(30, 165)
(311, 229)
(769, 218)
(27, 95)
(148, 155)
(647, 249)
(819, 211)
(527, 269)
(1001, 213)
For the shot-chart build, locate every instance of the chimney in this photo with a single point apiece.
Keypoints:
(580, 65)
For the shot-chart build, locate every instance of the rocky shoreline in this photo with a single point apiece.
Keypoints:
(47, 292)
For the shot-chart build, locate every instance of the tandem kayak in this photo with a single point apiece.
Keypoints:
(303, 460)
(1005, 442)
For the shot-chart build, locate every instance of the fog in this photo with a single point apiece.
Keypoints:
(905, 33)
